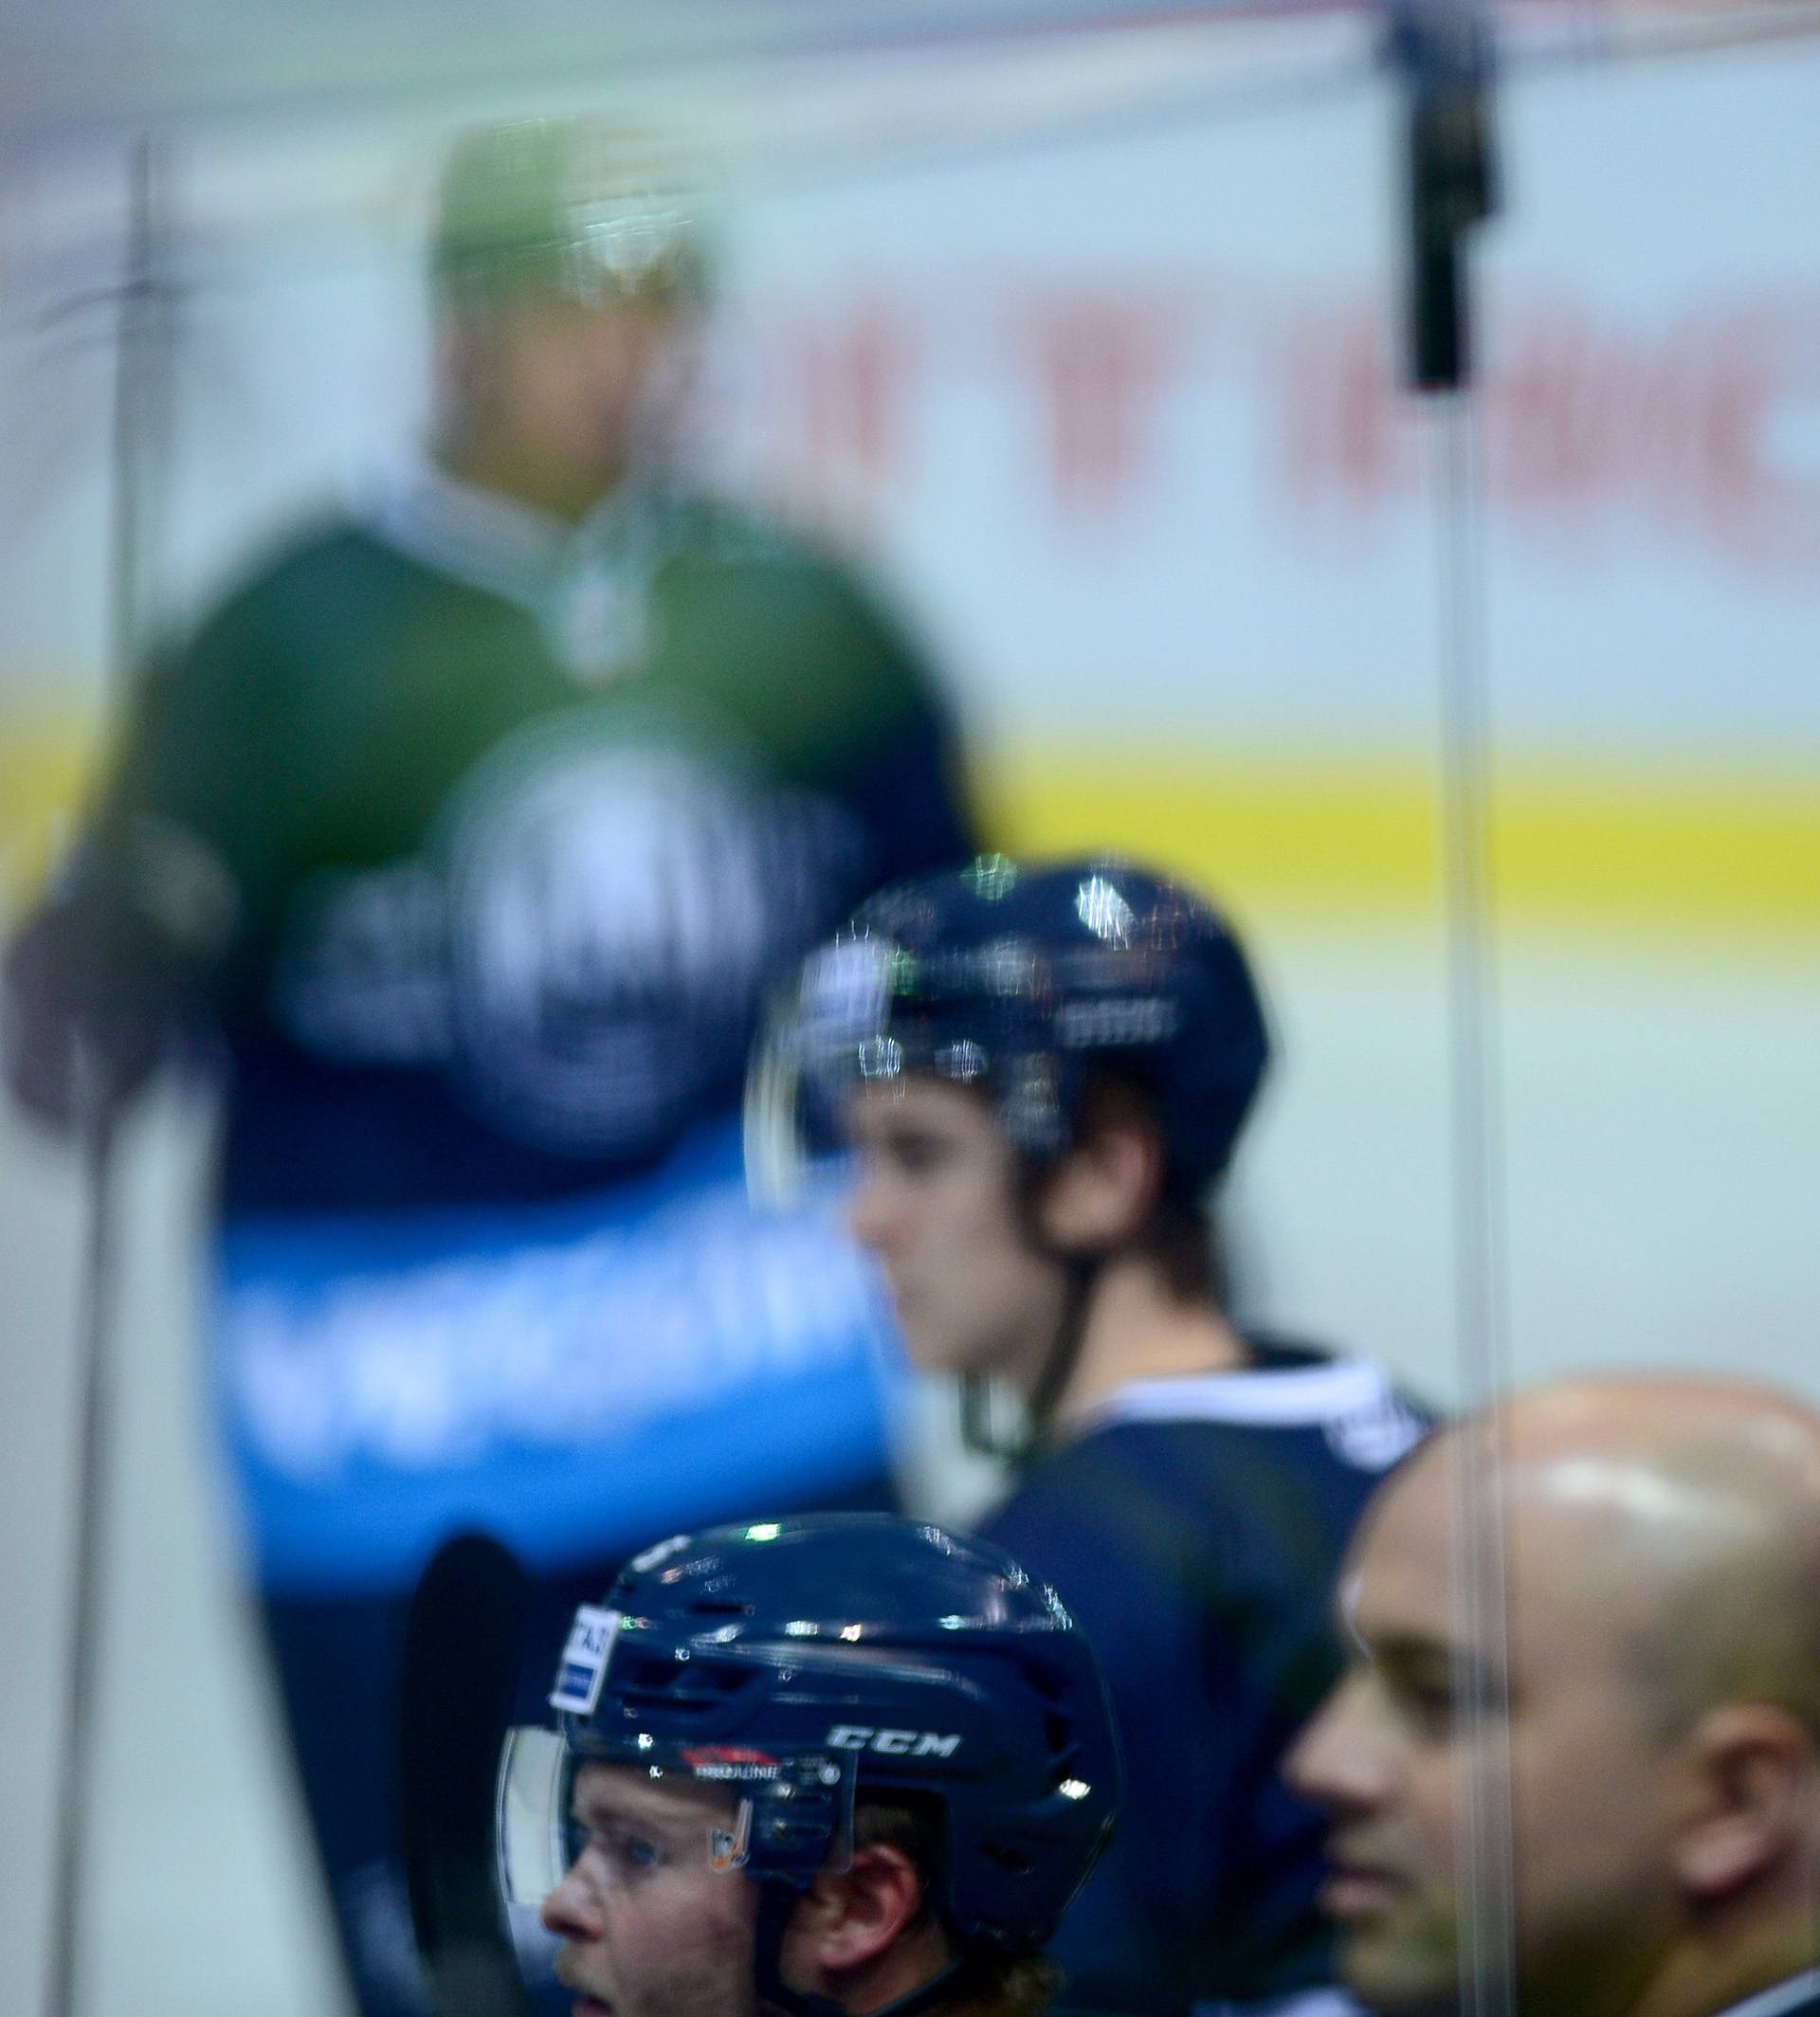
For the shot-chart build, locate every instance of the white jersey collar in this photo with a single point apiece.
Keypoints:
(497, 543)
(1789, 1995)
(1273, 1396)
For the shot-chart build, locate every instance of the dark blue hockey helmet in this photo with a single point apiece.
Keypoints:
(809, 1662)
(1022, 980)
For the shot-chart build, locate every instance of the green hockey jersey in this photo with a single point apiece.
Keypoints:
(520, 825)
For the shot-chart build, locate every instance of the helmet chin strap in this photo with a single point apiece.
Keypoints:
(776, 1901)
(979, 1428)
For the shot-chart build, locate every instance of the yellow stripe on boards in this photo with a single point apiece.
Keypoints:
(44, 766)
(1655, 853)
(1661, 854)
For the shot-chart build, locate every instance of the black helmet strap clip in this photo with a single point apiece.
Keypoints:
(980, 1425)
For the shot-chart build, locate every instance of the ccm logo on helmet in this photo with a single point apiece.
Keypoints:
(892, 1743)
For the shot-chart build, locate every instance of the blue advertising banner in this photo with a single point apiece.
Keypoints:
(574, 1378)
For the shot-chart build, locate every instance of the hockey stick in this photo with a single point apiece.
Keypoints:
(75, 1754)
(138, 440)
(462, 1644)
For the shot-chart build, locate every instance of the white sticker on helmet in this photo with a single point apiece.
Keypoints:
(844, 990)
(584, 1661)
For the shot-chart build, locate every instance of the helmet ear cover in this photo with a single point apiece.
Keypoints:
(1178, 1233)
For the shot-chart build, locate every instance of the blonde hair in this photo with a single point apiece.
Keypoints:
(987, 1982)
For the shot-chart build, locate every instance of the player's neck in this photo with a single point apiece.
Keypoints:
(567, 494)
(1136, 1330)
(910, 1963)
(1704, 1974)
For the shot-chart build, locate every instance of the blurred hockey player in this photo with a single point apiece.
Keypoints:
(469, 830)
(818, 1768)
(1043, 1072)
(1644, 1707)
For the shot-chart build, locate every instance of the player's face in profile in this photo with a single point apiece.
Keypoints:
(1395, 1751)
(935, 1199)
(650, 1928)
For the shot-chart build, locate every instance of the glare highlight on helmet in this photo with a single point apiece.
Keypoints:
(1103, 911)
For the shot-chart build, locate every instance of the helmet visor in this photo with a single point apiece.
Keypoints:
(737, 1808)
(863, 1012)
(530, 1832)
(823, 1037)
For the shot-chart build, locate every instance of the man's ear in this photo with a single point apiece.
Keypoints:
(850, 1918)
(1754, 1783)
(1103, 1190)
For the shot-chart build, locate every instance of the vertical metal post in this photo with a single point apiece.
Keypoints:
(1441, 50)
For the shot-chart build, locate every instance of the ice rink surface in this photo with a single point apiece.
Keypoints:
(1662, 1114)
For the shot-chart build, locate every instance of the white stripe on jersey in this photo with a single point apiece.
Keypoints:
(1282, 1397)
(1784, 1996)
(1303, 2003)
(1366, 1421)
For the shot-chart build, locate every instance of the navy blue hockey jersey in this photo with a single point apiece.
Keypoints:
(1195, 1528)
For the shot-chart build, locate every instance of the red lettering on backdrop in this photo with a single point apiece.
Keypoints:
(854, 385)
(1762, 443)
(1588, 429)
(1694, 431)
(840, 388)
(1344, 441)
(1704, 432)
(1100, 364)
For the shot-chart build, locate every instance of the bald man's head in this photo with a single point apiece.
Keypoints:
(1691, 1510)
(1654, 1700)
